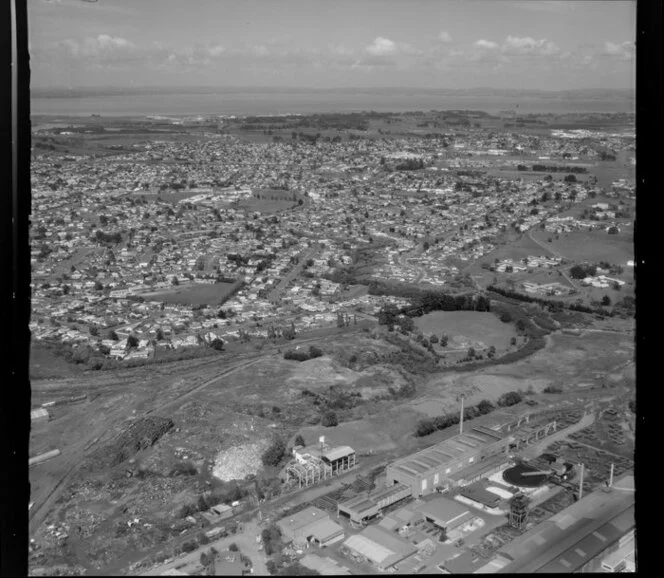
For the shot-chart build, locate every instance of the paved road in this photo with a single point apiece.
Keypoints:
(279, 289)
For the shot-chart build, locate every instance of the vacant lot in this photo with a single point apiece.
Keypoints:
(195, 294)
(593, 246)
(475, 326)
(266, 205)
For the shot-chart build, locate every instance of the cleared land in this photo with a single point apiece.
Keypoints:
(479, 327)
(195, 294)
(593, 246)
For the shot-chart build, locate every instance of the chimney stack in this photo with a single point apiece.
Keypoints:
(611, 477)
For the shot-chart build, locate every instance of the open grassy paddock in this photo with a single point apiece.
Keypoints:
(475, 326)
(593, 246)
(194, 294)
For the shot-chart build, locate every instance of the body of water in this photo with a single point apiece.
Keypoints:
(309, 103)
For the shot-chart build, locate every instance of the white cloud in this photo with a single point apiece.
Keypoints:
(528, 45)
(488, 44)
(444, 36)
(216, 50)
(624, 50)
(101, 45)
(382, 46)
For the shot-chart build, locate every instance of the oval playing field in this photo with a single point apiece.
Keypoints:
(473, 325)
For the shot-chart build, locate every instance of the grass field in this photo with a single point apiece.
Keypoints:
(593, 246)
(195, 294)
(266, 205)
(473, 325)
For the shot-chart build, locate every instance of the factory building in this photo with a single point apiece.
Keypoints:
(311, 526)
(320, 461)
(365, 507)
(380, 547)
(445, 514)
(434, 467)
(581, 538)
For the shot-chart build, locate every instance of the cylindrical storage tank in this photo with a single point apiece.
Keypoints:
(43, 457)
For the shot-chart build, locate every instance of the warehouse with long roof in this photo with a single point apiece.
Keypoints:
(577, 538)
(434, 466)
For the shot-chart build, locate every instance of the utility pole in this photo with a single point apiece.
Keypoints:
(461, 417)
(581, 483)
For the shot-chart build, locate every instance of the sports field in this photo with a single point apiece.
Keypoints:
(194, 294)
(475, 326)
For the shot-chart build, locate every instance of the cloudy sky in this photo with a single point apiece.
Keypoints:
(527, 44)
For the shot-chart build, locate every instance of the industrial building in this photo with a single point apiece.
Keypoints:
(445, 514)
(382, 548)
(318, 462)
(365, 507)
(311, 526)
(579, 538)
(433, 467)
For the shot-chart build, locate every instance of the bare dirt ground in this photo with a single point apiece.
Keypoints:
(239, 401)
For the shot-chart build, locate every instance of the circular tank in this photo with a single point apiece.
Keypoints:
(514, 476)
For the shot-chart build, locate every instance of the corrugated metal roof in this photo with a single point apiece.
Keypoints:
(337, 453)
(575, 535)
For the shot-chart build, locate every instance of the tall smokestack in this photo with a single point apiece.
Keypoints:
(611, 477)
(461, 418)
(581, 483)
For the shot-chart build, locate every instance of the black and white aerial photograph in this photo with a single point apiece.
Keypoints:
(331, 287)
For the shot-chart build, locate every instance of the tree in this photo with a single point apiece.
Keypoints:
(606, 301)
(233, 547)
(217, 344)
(274, 453)
(433, 339)
(444, 339)
(175, 281)
(492, 351)
(99, 286)
(160, 334)
(113, 335)
(471, 352)
(299, 441)
(94, 330)
(513, 341)
(329, 419)
(132, 342)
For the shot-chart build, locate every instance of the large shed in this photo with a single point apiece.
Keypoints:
(444, 513)
(381, 547)
(311, 525)
(428, 469)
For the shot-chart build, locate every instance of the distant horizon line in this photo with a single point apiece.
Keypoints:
(45, 91)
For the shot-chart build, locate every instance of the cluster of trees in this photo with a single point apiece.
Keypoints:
(287, 332)
(510, 398)
(102, 237)
(303, 354)
(549, 303)
(440, 301)
(552, 389)
(410, 165)
(429, 425)
(557, 169)
(581, 271)
(272, 542)
(275, 452)
(228, 493)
